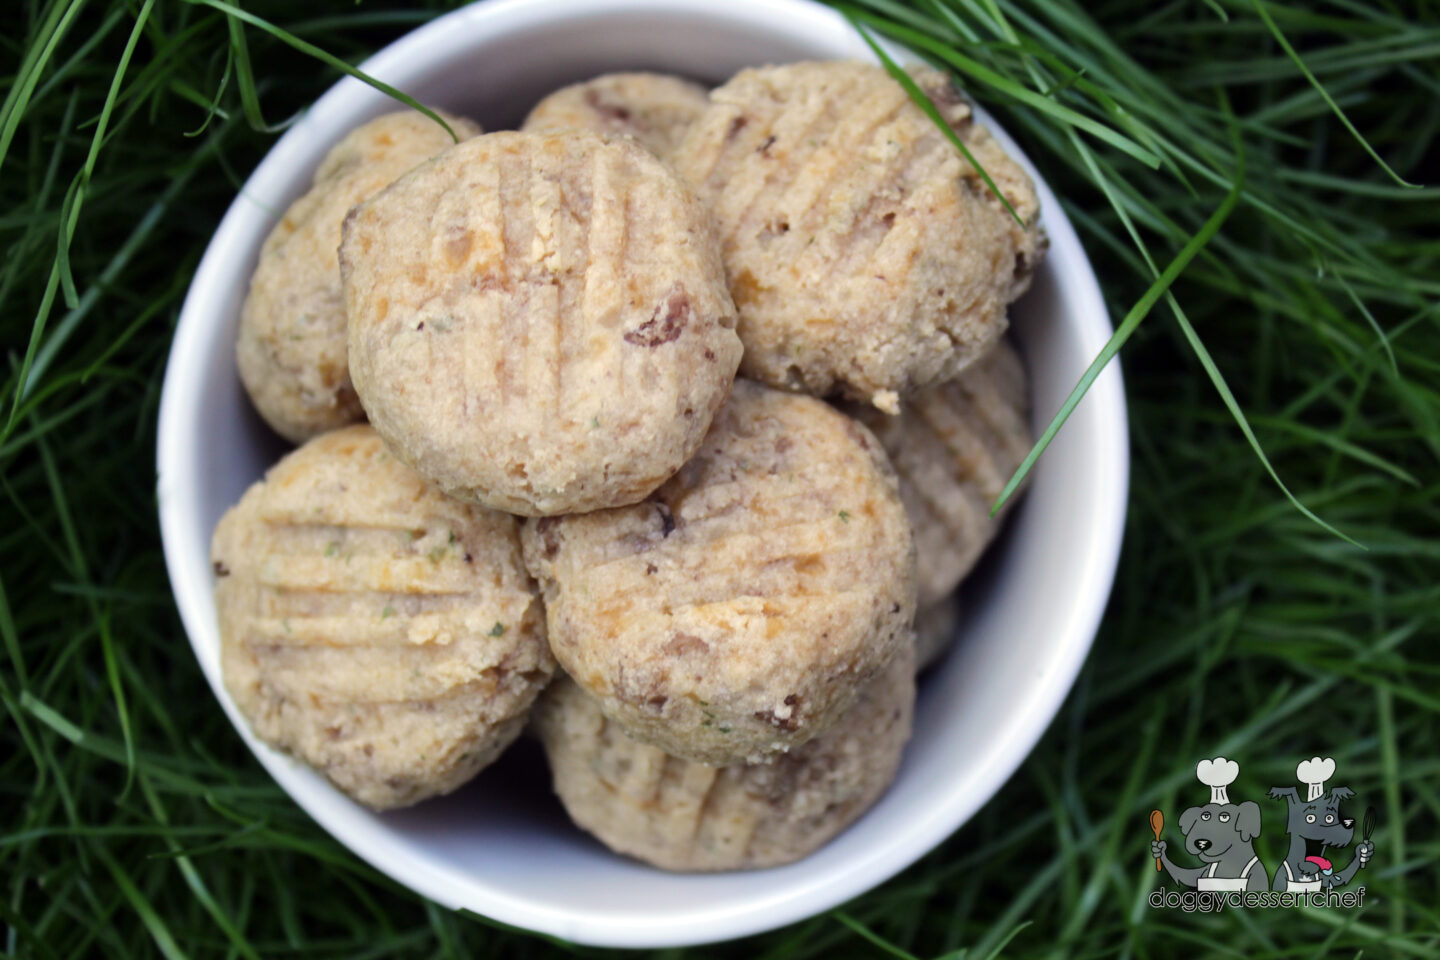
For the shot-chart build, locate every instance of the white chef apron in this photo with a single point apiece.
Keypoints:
(1299, 886)
(1226, 884)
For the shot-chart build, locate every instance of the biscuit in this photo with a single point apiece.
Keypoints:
(539, 322)
(954, 448)
(380, 631)
(291, 342)
(936, 627)
(735, 613)
(865, 254)
(681, 815)
(654, 108)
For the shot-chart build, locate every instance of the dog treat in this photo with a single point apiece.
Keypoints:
(865, 254)
(735, 613)
(681, 815)
(935, 629)
(539, 322)
(654, 108)
(291, 344)
(380, 631)
(955, 447)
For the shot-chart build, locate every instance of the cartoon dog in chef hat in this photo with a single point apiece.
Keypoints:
(1314, 825)
(1221, 834)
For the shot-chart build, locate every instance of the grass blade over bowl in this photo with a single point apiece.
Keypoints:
(1039, 84)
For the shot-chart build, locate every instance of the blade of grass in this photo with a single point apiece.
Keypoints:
(871, 936)
(990, 78)
(38, 54)
(1263, 8)
(309, 49)
(239, 54)
(1122, 333)
(72, 210)
(925, 104)
(102, 620)
(159, 932)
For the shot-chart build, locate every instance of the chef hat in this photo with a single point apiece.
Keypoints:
(1313, 773)
(1217, 774)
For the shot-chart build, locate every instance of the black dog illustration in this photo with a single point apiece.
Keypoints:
(1220, 833)
(1314, 826)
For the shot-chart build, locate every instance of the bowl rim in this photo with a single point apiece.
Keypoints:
(192, 586)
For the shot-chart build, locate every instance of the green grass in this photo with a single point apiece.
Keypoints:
(1239, 171)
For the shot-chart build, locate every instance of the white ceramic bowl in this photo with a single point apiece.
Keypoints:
(501, 846)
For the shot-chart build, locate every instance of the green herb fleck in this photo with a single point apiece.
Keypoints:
(387, 613)
(333, 548)
(498, 630)
(844, 516)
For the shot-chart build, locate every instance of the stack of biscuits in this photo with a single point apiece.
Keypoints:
(701, 396)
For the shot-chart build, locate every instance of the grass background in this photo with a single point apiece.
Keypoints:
(1253, 155)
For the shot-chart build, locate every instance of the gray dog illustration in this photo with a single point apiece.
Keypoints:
(1220, 834)
(1314, 826)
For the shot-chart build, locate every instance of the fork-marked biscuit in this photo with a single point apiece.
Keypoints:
(291, 343)
(681, 815)
(654, 108)
(539, 322)
(736, 612)
(954, 447)
(382, 632)
(865, 254)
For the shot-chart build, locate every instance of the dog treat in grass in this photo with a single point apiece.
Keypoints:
(681, 815)
(654, 108)
(380, 631)
(539, 322)
(865, 254)
(735, 613)
(291, 344)
(935, 629)
(954, 448)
